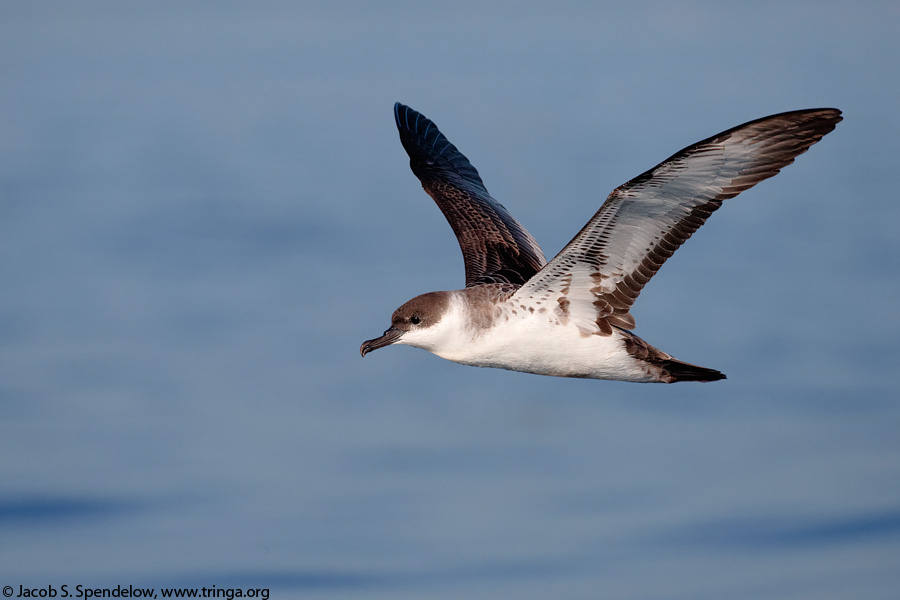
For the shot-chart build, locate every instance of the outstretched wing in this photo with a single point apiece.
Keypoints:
(600, 273)
(495, 247)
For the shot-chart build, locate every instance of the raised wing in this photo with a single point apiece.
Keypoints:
(495, 247)
(599, 274)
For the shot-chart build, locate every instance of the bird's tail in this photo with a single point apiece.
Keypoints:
(675, 370)
(670, 369)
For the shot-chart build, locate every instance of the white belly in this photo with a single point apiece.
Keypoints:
(536, 346)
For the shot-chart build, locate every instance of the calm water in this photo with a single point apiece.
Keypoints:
(204, 209)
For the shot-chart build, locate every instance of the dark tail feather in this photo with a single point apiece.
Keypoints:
(682, 371)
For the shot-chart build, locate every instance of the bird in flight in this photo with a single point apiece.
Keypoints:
(570, 317)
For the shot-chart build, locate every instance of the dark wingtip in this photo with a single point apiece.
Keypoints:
(408, 119)
(397, 108)
(829, 118)
(431, 154)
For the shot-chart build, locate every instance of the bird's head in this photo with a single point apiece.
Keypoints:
(414, 323)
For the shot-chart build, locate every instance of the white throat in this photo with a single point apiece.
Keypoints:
(449, 338)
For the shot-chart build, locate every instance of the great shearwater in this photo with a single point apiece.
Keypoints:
(570, 317)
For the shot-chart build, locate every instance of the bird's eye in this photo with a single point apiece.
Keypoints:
(415, 320)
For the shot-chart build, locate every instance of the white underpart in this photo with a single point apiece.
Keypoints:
(532, 342)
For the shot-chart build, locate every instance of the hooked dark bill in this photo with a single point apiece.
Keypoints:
(390, 336)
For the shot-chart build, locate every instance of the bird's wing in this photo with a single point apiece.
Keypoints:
(495, 247)
(598, 275)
